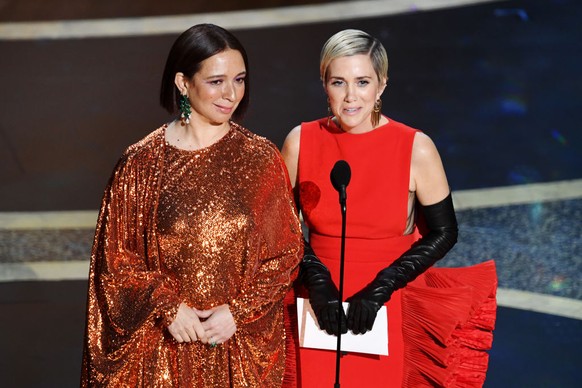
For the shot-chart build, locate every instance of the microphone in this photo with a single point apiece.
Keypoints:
(340, 178)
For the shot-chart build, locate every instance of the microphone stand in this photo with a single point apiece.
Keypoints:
(341, 284)
(340, 178)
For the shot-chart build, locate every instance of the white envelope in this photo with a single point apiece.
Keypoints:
(310, 336)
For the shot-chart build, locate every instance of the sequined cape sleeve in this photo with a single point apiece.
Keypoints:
(267, 282)
(127, 294)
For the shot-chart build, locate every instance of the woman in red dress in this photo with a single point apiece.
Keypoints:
(439, 321)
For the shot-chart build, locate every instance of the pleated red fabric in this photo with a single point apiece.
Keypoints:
(448, 320)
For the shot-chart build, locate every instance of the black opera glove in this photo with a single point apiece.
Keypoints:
(323, 293)
(442, 235)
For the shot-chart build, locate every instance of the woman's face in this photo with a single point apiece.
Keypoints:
(217, 88)
(352, 87)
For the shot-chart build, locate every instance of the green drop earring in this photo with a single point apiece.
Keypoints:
(185, 110)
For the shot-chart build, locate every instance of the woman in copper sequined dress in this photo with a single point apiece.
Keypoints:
(197, 240)
(439, 319)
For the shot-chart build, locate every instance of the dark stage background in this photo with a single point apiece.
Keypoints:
(479, 80)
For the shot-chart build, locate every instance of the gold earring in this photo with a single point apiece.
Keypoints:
(376, 112)
(329, 116)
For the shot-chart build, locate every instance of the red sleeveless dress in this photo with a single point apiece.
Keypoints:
(430, 319)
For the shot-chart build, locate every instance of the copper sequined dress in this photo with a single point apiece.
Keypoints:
(204, 227)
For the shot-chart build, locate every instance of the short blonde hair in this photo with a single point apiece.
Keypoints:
(353, 42)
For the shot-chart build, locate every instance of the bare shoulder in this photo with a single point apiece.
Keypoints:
(290, 152)
(424, 149)
(428, 176)
(293, 137)
(292, 142)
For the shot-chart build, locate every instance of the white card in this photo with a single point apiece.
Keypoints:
(310, 336)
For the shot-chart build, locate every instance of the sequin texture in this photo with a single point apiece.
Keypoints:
(204, 227)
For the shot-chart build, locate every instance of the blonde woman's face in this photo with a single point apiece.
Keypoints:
(352, 87)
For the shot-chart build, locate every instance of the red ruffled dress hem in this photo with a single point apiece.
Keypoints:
(448, 319)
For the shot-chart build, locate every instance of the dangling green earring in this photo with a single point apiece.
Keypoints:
(185, 110)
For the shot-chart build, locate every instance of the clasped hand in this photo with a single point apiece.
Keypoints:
(215, 325)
